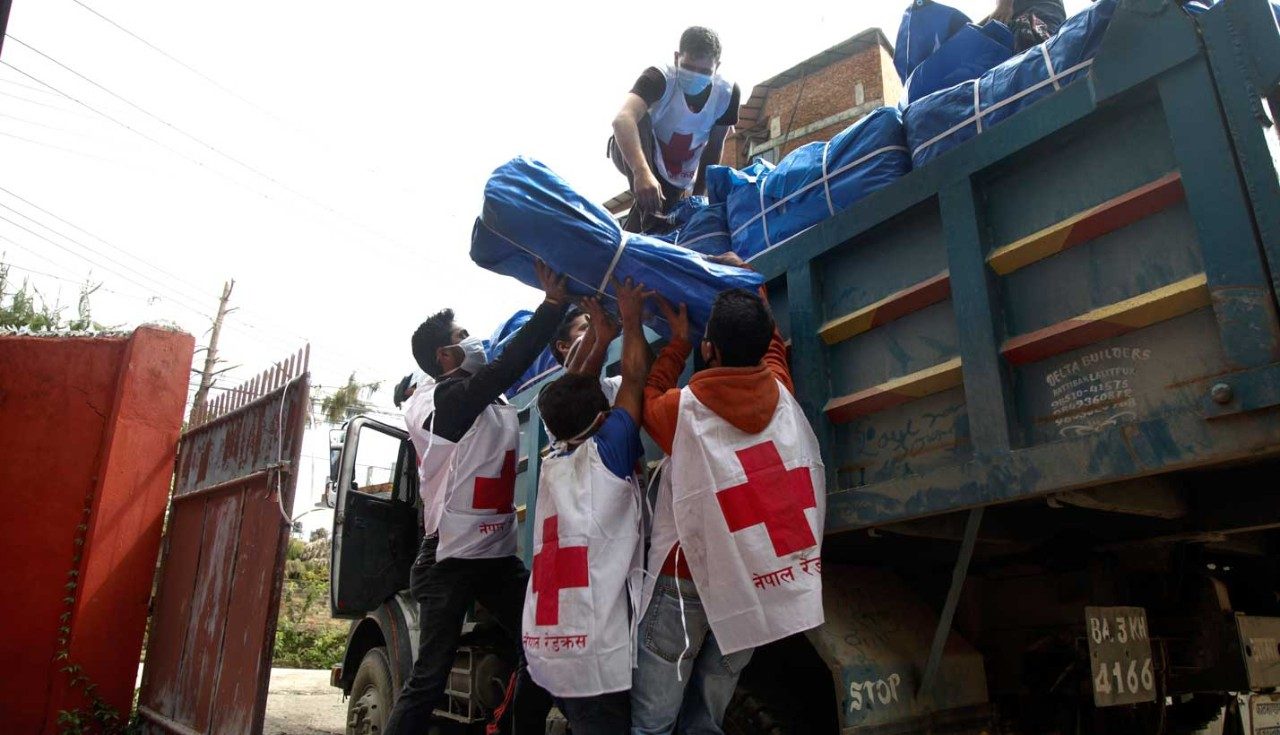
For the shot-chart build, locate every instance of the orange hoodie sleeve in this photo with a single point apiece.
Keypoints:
(775, 358)
(661, 396)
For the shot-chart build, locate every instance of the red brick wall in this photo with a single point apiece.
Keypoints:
(88, 423)
(825, 93)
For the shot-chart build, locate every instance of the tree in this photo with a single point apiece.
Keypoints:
(319, 533)
(347, 401)
(26, 308)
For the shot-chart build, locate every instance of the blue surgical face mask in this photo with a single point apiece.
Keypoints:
(691, 82)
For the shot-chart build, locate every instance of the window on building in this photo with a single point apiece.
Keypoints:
(859, 94)
(770, 155)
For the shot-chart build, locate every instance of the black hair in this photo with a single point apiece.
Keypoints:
(431, 335)
(740, 327)
(700, 41)
(570, 403)
(400, 394)
(562, 331)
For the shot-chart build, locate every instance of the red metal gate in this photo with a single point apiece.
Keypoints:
(208, 656)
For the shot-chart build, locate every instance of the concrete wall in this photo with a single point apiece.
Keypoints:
(829, 101)
(88, 430)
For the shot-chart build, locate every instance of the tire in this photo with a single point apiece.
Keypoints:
(760, 711)
(372, 694)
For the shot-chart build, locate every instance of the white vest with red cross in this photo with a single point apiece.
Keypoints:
(748, 512)
(587, 543)
(679, 133)
(467, 488)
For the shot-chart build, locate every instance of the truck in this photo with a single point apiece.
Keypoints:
(1044, 370)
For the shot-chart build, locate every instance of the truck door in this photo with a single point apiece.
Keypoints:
(375, 528)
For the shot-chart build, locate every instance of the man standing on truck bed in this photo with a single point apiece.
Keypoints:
(672, 125)
(587, 534)
(742, 498)
(466, 437)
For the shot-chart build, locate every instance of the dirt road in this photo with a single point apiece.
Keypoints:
(301, 702)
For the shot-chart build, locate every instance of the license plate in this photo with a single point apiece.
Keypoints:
(1264, 714)
(1120, 655)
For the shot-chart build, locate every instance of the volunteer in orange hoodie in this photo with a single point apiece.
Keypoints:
(741, 500)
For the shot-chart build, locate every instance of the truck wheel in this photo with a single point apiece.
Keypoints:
(760, 711)
(369, 705)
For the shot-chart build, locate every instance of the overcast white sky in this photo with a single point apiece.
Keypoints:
(340, 159)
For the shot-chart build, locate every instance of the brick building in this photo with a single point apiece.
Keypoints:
(814, 99)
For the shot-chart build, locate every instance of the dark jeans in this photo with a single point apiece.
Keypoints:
(603, 714)
(638, 221)
(445, 591)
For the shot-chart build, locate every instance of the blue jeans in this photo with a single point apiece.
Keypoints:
(694, 704)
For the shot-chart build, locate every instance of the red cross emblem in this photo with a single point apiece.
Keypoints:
(676, 152)
(556, 568)
(772, 495)
(497, 493)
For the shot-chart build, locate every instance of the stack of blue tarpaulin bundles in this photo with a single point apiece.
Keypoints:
(938, 48)
(531, 213)
(767, 205)
(699, 226)
(945, 119)
(542, 367)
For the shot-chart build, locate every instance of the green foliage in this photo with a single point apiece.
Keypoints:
(347, 401)
(306, 637)
(295, 548)
(26, 308)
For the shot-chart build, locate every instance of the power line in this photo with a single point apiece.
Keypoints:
(59, 108)
(252, 169)
(172, 58)
(72, 151)
(267, 113)
(238, 325)
(134, 130)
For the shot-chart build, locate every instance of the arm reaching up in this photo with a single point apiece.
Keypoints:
(588, 358)
(635, 349)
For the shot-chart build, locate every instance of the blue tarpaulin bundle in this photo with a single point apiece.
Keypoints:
(767, 205)
(700, 226)
(925, 25)
(945, 119)
(543, 366)
(530, 212)
(965, 55)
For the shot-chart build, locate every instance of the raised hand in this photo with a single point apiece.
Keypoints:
(601, 324)
(678, 320)
(729, 258)
(631, 296)
(552, 283)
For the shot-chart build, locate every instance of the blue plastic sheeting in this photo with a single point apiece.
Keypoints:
(971, 51)
(504, 330)
(925, 25)
(700, 226)
(768, 205)
(707, 231)
(530, 212)
(945, 119)
(543, 366)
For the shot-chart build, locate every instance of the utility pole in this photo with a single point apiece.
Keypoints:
(211, 352)
(4, 20)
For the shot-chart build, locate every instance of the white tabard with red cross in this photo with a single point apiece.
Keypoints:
(586, 543)
(679, 133)
(748, 511)
(468, 488)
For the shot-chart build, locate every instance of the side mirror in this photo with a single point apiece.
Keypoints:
(335, 466)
